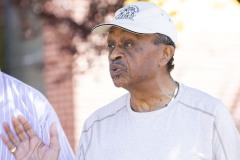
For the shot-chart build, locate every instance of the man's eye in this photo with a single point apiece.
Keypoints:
(128, 45)
(110, 46)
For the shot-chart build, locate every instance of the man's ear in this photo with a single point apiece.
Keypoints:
(167, 54)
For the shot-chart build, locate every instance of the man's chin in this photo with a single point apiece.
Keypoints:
(118, 83)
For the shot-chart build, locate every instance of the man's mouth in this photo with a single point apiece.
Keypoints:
(116, 69)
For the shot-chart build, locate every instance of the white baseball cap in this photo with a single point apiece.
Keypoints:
(141, 18)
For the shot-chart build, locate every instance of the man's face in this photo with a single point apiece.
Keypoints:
(133, 58)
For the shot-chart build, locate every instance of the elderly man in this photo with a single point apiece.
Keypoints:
(159, 119)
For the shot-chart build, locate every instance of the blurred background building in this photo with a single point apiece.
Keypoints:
(48, 45)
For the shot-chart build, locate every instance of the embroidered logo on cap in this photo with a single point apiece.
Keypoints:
(128, 12)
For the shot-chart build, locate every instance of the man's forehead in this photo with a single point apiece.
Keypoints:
(118, 30)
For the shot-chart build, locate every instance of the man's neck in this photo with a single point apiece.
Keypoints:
(152, 97)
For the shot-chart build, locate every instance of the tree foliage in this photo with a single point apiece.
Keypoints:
(72, 22)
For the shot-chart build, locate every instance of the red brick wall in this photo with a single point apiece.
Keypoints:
(58, 79)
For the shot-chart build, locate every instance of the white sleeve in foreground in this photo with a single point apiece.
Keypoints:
(50, 116)
(83, 144)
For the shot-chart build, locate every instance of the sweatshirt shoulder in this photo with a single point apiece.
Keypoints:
(199, 100)
(107, 110)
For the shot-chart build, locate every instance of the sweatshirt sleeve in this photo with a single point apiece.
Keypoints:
(226, 138)
(83, 144)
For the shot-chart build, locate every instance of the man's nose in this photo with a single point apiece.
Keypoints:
(116, 54)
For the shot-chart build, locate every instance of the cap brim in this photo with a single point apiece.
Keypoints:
(101, 28)
(130, 27)
(105, 27)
